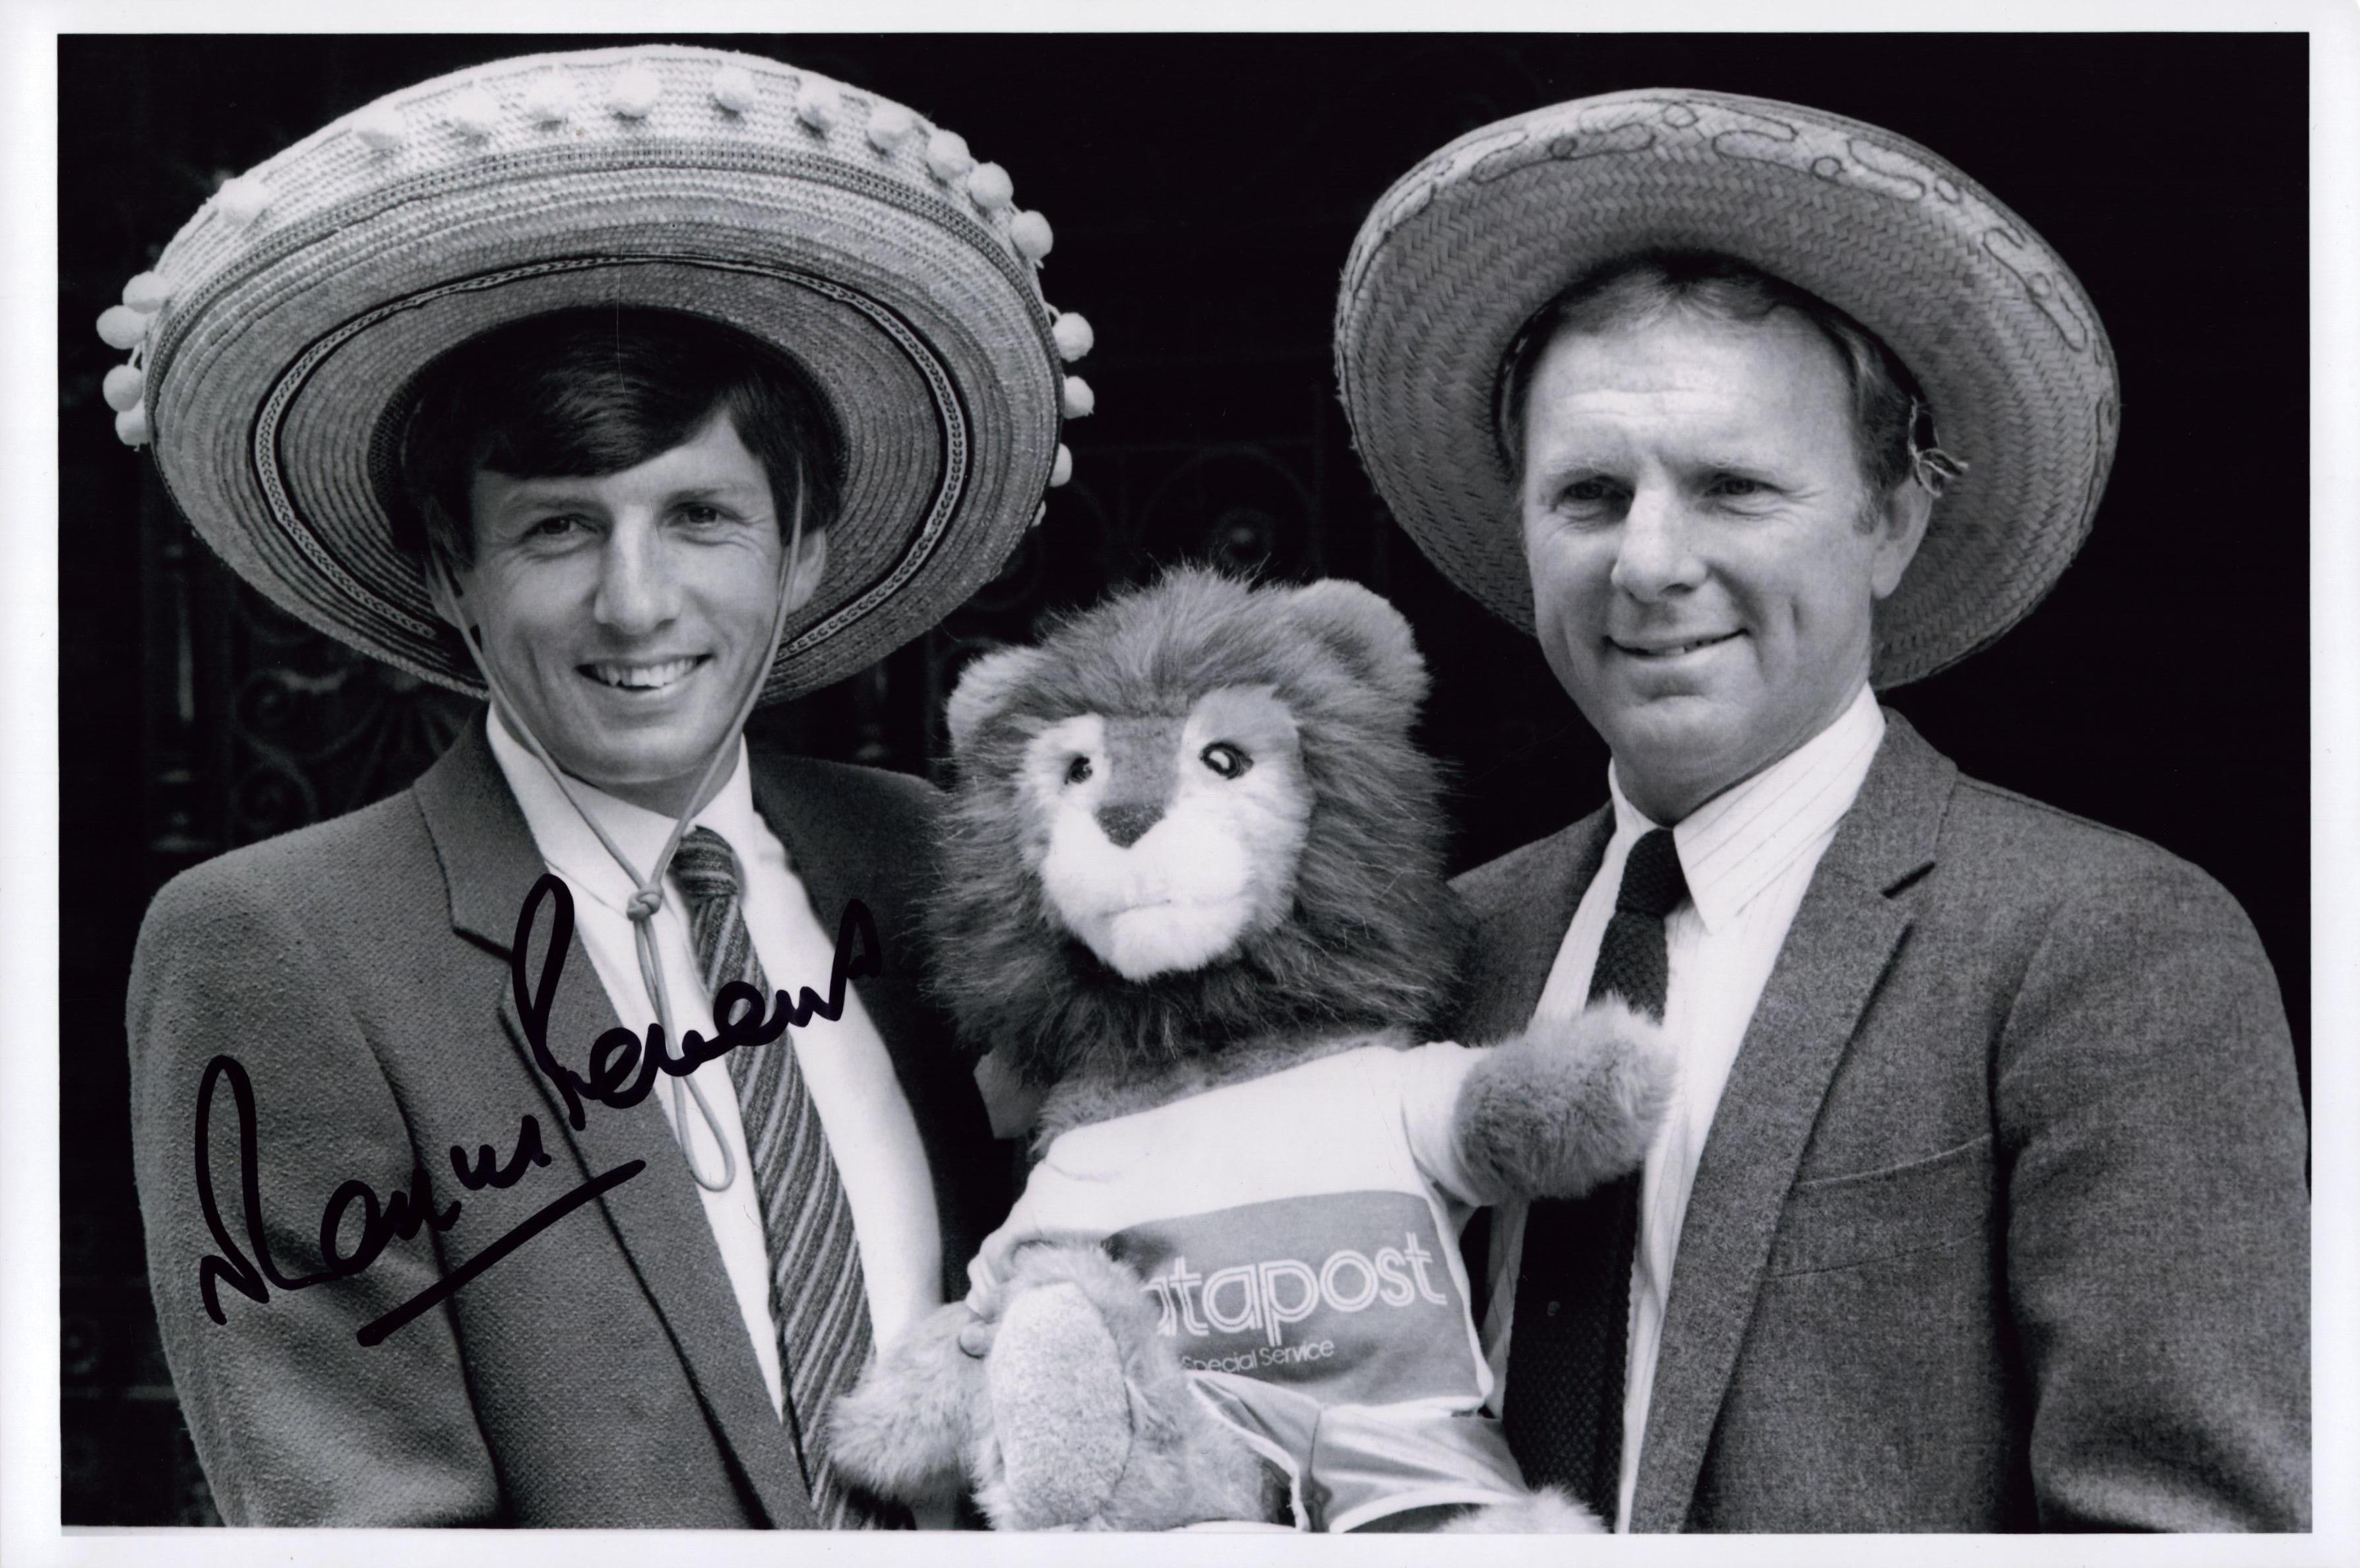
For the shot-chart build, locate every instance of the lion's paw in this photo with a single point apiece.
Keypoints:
(1060, 1407)
(1568, 1104)
(902, 1430)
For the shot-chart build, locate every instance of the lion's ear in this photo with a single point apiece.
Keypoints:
(985, 687)
(1369, 634)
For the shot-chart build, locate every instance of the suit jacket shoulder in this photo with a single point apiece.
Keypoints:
(2010, 849)
(352, 870)
(1500, 889)
(1520, 905)
(2030, 908)
(854, 831)
(344, 918)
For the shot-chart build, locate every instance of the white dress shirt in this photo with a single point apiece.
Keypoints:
(1748, 855)
(844, 1064)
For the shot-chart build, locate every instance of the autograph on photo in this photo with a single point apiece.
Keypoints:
(622, 1069)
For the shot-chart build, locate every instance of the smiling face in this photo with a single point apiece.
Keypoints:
(628, 614)
(1705, 554)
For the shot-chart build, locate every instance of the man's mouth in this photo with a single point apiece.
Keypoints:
(641, 674)
(1660, 648)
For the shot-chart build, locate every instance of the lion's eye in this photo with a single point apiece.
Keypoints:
(1226, 760)
(1077, 770)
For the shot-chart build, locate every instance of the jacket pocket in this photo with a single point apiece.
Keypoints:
(1927, 1204)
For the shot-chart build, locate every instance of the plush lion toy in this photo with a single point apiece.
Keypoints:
(1195, 900)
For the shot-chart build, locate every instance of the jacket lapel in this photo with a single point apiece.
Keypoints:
(1844, 935)
(490, 862)
(1521, 923)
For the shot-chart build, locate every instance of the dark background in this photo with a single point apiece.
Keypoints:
(1204, 192)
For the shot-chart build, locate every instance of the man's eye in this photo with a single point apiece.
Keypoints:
(1226, 760)
(1736, 487)
(1077, 771)
(1594, 495)
(699, 515)
(557, 526)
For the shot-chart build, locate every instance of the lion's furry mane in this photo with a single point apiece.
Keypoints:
(1375, 936)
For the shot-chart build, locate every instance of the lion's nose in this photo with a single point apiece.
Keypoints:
(1126, 825)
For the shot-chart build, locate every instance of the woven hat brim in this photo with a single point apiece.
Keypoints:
(1469, 246)
(271, 383)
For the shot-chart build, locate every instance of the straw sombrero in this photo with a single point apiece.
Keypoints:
(1470, 244)
(275, 339)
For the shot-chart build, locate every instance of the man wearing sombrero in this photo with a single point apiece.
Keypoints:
(633, 387)
(1983, 1203)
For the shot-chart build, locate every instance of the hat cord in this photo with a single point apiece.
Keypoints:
(648, 895)
(1934, 470)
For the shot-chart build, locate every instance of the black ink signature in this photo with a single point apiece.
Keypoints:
(622, 1067)
(737, 1014)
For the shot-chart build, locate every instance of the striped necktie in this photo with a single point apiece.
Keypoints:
(818, 1296)
(1570, 1338)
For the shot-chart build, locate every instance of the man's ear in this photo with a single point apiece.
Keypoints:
(1370, 635)
(1900, 523)
(445, 592)
(804, 577)
(986, 687)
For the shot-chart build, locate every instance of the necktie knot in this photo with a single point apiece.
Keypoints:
(706, 866)
(1653, 884)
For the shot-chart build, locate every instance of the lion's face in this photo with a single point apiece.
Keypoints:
(1163, 842)
(1192, 817)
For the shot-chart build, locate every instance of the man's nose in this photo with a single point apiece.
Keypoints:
(637, 591)
(1657, 554)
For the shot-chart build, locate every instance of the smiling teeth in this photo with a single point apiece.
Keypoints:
(1673, 649)
(642, 677)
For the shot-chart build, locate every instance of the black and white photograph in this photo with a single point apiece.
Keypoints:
(1224, 784)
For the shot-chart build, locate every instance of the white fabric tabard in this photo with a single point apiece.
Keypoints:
(1748, 855)
(1299, 1235)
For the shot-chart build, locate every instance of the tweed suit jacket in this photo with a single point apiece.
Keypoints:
(2002, 1222)
(599, 1376)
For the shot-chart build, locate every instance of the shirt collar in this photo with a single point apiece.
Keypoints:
(1737, 843)
(569, 846)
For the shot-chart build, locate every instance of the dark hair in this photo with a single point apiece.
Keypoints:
(595, 392)
(1892, 425)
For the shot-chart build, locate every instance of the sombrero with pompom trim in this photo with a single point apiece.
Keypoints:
(275, 342)
(1469, 246)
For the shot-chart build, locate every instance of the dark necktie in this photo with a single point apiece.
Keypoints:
(818, 1296)
(1570, 1339)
